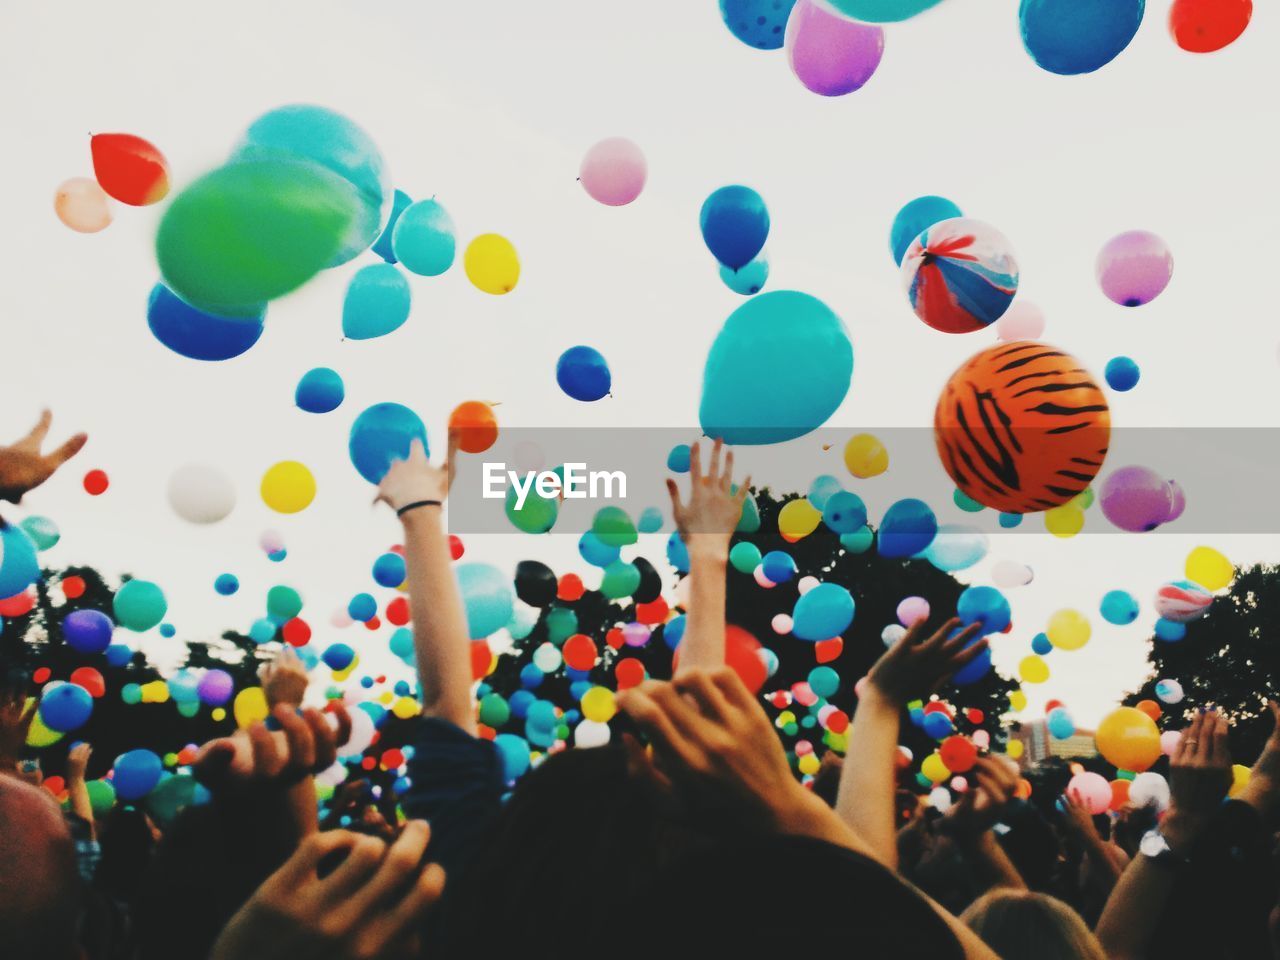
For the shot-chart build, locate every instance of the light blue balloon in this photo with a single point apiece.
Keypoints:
(1041, 644)
(1060, 723)
(44, 533)
(513, 751)
(488, 596)
(425, 240)
(824, 612)
(262, 630)
(1119, 607)
(382, 246)
(845, 514)
(381, 434)
(595, 552)
(986, 606)
(677, 552)
(678, 458)
(19, 567)
(859, 541)
(881, 11)
(673, 631)
(908, 527)
(821, 489)
(748, 280)
(401, 644)
(824, 681)
(650, 520)
(956, 547)
(1168, 631)
(1078, 36)
(320, 390)
(1010, 520)
(915, 218)
(779, 367)
(377, 302)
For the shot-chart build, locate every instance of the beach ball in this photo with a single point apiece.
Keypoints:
(748, 280)
(424, 239)
(880, 11)
(823, 612)
(1122, 374)
(960, 275)
(1182, 601)
(376, 303)
(19, 567)
(986, 606)
(201, 493)
(1022, 427)
(915, 217)
(1203, 26)
(82, 205)
(1068, 629)
(198, 335)
(288, 487)
(129, 168)
(1134, 268)
(908, 527)
(778, 369)
(1119, 607)
(865, 456)
(1091, 788)
(382, 434)
(87, 631)
(1078, 36)
(1128, 739)
(757, 23)
(1209, 568)
(1022, 321)
(830, 54)
(583, 373)
(136, 774)
(735, 225)
(139, 605)
(613, 171)
(492, 264)
(320, 390)
(1136, 499)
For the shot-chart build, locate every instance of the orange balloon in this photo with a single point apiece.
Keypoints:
(1150, 708)
(1128, 739)
(1119, 794)
(475, 425)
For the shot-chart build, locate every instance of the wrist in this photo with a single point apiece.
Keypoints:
(1180, 831)
(420, 516)
(708, 547)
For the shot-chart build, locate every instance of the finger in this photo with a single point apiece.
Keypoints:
(961, 658)
(66, 451)
(744, 489)
(326, 748)
(417, 452)
(939, 637)
(267, 761)
(699, 685)
(726, 479)
(961, 639)
(213, 762)
(1189, 740)
(402, 860)
(677, 509)
(297, 735)
(642, 705)
(695, 464)
(451, 464)
(302, 865)
(365, 855)
(406, 916)
(342, 732)
(1219, 743)
(713, 475)
(35, 439)
(733, 689)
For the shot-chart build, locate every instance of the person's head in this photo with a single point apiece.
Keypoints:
(41, 905)
(127, 840)
(1022, 925)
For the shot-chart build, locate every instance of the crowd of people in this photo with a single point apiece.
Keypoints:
(688, 832)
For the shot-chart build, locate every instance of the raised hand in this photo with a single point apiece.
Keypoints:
(992, 783)
(24, 465)
(256, 759)
(1263, 789)
(1199, 777)
(915, 667)
(714, 506)
(414, 479)
(284, 680)
(78, 761)
(1077, 817)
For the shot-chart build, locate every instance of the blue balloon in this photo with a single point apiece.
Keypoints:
(65, 707)
(650, 520)
(1078, 36)
(424, 239)
(823, 612)
(19, 567)
(389, 570)
(915, 218)
(1168, 631)
(673, 631)
(520, 702)
(488, 596)
(168, 631)
(381, 434)
(400, 202)
(1060, 723)
(198, 335)
(1010, 520)
(1041, 644)
(844, 513)
(677, 552)
(908, 527)
(821, 489)
(1122, 374)
(881, 11)
(1119, 607)
(338, 656)
(778, 369)
(757, 23)
(320, 390)
(986, 606)
(678, 458)
(513, 751)
(136, 774)
(748, 280)
(377, 302)
(596, 552)
(778, 567)
(531, 677)
(735, 225)
(956, 547)
(937, 725)
(362, 607)
(118, 655)
(87, 631)
(262, 630)
(583, 374)
(974, 670)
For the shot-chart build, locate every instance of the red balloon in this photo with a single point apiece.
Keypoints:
(398, 612)
(958, 753)
(73, 587)
(90, 679)
(19, 605)
(456, 549)
(129, 168)
(571, 587)
(579, 652)
(630, 672)
(653, 613)
(373, 623)
(741, 652)
(296, 632)
(1203, 26)
(391, 759)
(615, 638)
(481, 658)
(41, 675)
(55, 785)
(96, 482)
(827, 650)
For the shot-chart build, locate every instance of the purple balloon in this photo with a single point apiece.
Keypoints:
(1179, 502)
(215, 688)
(830, 54)
(1136, 499)
(87, 631)
(1134, 268)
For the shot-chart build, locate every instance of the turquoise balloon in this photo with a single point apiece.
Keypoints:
(424, 239)
(844, 513)
(43, 532)
(596, 552)
(1119, 607)
(748, 280)
(650, 520)
(382, 434)
(377, 302)
(779, 367)
(488, 597)
(19, 567)
(859, 541)
(822, 489)
(621, 579)
(881, 11)
(745, 556)
(334, 142)
(824, 681)
(400, 202)
(915, 217)
(139, 605)
(825, 611)
(956, 547)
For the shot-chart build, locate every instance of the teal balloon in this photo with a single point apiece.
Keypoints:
(331, 141)
(262, 630)
(745, 556)
(844, 513)
(881, 11)
(253, 231)
(915, 217)
(750, 279)
(400, 202)
(382, 434)
(859, 541)
(823, 487)
(283, 603)
(824, 681)
(1119, 607)
(966, 502)
(44, 533)
(139, 605)
(825, 611)
(596, 552)
(19, 567)
(956, 547)
(779, 367)
(377, 302)
(1070, 37)
(425, 240)
(621, 579)
(749, 522)
(488, 597)
(650, 520)
(320, 390)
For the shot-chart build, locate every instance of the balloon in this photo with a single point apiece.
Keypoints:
(65, 707)
(735, 225)
(377, 302)
(908, 527)
(757, 23)
(82, 205)
(19, 567)
(1128, 739)
(129, 168)
(1008, 574)
(226, 584)
(915, 217)
(475, 425)
(91, 680)
(880, 11)
(844, 512)
(102, 796)
(253, 231)
(1021, 427)
(1209, 568)
(538, 515)
(912, 609)
(613, 172)
(288, 487)
(320, 390)
(934, 769)
(975, 669)
(650, 520)
(424, 239)
(139, 605)
(595, 552)
(744, 556)
(389, 570)
(583, 374)
(44, 533)
(798, 519)
(1068, 629)
(1182, 602)
(332, 142)
(1122, 374)
(621, 579)
(1091, 788)
(779, 567)
(1203, 26)
(487, 596)
(865, 456)
(382, 434)
(491, 264)
(748, 280)
(215, 688)
(87, 631)
(824, 612)
(195, 334)
(1167, 631)
(1149, 790)
(1134, 268)
(986, 606)
(822, 488)
(960, 275)
(1022, 321)
(535, 583)
(779, 367)
(1169, 691)
(1078, 36)
(956, 547)
(830, 54)
(201, 493)
(679, 457)
(1119, 607)
(136, 774)
(1136, 499)
(1032, 669)
(383, 246)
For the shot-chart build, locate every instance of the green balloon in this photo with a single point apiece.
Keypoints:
(621, 579)
(614, 527)
(170, 797)
(102, 796)
(43, 532)
(253, 231)
(131, 693)
(139, 605)
(538, 515)
(750, 520)
(745, 556)
(966, 502)
(859, 541)
(494, 710)
(283, 603)
(562, 623)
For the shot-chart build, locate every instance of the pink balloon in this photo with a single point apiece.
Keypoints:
(1093, 789)
(614, 171)
(82, 205)
(912, 609)
(1136, 499)
(830, 54)
(1169, 742)
(1022, 321)
(1134, 268)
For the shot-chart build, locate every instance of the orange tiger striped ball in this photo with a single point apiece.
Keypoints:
(1022, 427)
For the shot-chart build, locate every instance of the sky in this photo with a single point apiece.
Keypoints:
(489, 106)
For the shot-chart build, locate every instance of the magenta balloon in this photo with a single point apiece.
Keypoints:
(215, 688)
(829, 54)
(1134, 268)
(614, 171)
(1136, 499)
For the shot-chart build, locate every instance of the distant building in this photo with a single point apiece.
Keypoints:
(1037, 744)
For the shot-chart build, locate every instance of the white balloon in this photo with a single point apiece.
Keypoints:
(590, 733)
(362, 734)
(1008, 574)
(1149, 790)
(940, 799)
(892, 634)
(201, 493)
(334, 775)
(806, 584)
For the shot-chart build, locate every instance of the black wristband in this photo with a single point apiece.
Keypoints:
(417, 503)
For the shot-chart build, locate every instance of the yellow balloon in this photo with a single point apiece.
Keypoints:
(798, 518)
(491, 264)
(839, 742)
(1064, 521)
(1128, 739)
(1018, 700)
(1207, 567)
(288, 487)
(1239, 777)
(1014, 749)
(406, 708)
(249, 707)
(1033, 669)
(784, 718)
(219, 714)
(1069, 630)
(157, 691)
(38, 735)
(598, 704)
(934, 768)
(809, 764)
(865, 456)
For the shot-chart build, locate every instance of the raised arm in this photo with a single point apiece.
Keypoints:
(417, 491)
(24, 465)
(706, 523)
(77, 789)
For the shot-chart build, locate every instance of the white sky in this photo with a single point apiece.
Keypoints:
(489, 106)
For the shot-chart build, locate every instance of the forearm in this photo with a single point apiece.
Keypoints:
(440, 635)
(1134, 909)
(703, 645)
(990, 863)
(304, 808)
(78, 793)
(865, 800)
